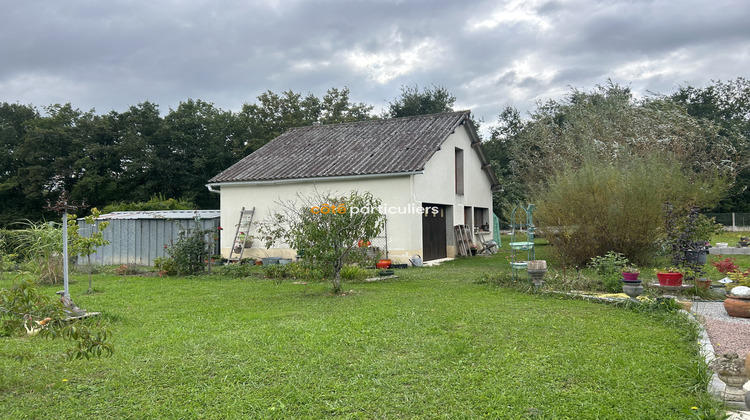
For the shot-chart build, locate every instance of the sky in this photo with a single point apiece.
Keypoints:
(110, 55)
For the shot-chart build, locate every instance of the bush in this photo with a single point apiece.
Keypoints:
(610, 267)
(189, 253)
(615, 207)
(24, 310)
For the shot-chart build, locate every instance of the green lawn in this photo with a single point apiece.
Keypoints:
(434, 343)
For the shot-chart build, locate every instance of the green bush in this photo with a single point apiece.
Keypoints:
(190, 252)
(157, 202)
(617, 207)
(610, 267)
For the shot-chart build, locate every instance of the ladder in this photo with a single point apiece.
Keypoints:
(463, 240)
(241, 237)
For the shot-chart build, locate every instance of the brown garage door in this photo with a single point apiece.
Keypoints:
(433, 232)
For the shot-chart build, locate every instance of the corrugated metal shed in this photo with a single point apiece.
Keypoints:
(138, 237)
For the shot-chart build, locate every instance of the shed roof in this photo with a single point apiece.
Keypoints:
(389, 146)
(161, 214)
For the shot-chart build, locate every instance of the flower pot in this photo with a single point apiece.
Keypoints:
(270, 260)
(700, 257)
(669, 278)
(736, 307)
(383, 264)
(630, 276)
(703, 284)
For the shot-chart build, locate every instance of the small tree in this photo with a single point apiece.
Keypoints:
(85, 246)
(327, 228)
(24, 310)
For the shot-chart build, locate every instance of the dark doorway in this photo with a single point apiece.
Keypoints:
(433, 232)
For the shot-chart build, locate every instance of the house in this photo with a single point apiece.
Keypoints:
(432, 162)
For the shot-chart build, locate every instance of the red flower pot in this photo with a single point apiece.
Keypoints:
(382, 264)
(669, 279)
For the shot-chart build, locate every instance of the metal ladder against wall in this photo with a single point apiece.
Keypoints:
(241, 236)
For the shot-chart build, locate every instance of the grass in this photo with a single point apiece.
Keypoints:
(434, 343)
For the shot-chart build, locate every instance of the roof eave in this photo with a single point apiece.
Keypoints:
(213, 185)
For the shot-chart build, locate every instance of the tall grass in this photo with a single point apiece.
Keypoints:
(41, 247)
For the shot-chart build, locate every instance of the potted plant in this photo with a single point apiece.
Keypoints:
(744, 242)
(473, 249)
(703, 283)
(630, 273)
(670, 276)
(737, 302)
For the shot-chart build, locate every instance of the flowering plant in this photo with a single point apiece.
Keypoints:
(631, 269)
(725, 266)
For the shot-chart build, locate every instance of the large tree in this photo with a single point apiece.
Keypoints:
(413, 102)
(13, 120)
(609, 125)
(726, 104)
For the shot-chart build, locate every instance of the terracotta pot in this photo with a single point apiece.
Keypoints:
(669, 279)
(630, 276)
(703, 283)
(736, 307)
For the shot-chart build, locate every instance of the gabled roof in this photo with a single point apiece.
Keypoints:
(376, 147)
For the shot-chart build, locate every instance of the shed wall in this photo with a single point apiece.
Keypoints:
(139, 241)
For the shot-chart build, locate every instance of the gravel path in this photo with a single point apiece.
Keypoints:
(727, 334)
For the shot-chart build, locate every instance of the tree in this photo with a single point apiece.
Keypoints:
(24, 310)
(498, 152)
(13, 123)
(413, 102)
(608, 125)
(328, 228)
(85, 246)
(274, 113)
(726, 104)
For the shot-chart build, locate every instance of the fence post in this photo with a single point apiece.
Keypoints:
(734, 226)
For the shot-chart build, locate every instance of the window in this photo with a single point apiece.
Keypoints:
(467, 217)
(459, 171)
(482, 219)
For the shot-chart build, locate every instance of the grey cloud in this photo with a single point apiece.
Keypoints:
(109, 55)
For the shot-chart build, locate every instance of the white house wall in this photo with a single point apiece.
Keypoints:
(393, 191)
(437, 184)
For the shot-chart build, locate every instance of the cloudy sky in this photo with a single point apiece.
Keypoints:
(109, 55)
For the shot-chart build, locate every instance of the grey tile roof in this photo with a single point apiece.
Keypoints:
(387, 146)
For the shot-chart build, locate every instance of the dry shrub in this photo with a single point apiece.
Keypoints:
(606, 206)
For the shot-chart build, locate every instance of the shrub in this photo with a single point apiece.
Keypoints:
(24, 310)
(614, 207)
(610, 267)
(190, 252)
(327, 228)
